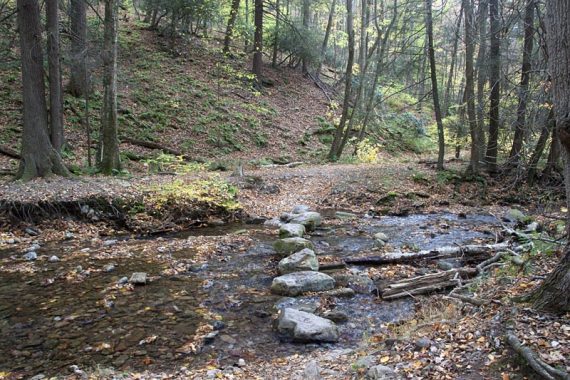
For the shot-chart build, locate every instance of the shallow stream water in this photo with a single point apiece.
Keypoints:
(61, 314)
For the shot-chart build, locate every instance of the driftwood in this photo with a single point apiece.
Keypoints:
(439, 253)
(9, 152)
(545, 370)
(426, 284)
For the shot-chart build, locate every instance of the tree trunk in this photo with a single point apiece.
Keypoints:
(108, 157)
(230, 28)
(55, 87)
(276, 41)
(481, 66)
(434, 90)
(553, 161)
(475, 159)
(554, 293)
(495, 81)
(338, 136)
(520, 123)
(306, 16)
(39, 158)
(258, 42)
(539, 148)
(78, 86)
(447, 95)
(326, 39)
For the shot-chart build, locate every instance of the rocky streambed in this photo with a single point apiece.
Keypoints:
(206, 299)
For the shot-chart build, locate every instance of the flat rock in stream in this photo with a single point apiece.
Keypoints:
(296, 283)
(288, 246)
(359, 283)
(311, 220)
(300, 326)
(138, 278)
(291, 230)
(304, 260)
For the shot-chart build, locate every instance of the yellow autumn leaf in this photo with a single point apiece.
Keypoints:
(384, 359)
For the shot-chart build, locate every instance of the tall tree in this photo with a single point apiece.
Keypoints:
(79, 76)
(469, 95)
(335, 150)
(326, 39)
(39, 158)
(525, 79)
(55, 86)
(306, 16)
(108, 156)
(482, 71)
(258, 41)
(451, 75)
(276, 42)
(554, 293)
(495, 81)
(435, 93)
(231, 23)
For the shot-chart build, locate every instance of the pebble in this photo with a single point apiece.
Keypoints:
(31, 231)
(218, 325)
(228, 339)
(53, 259)
(39, 376)
(423, 343)
(108, 243)
(109, 268)
(123, 280)
(68, 235)
(31, 256)
(138, 278)
(241, 362)
(209, 338)
(33, 248)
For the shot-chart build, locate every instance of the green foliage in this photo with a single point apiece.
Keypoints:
(180, 195)
(169, 163)
(367, 151)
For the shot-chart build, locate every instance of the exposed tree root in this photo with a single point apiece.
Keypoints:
(543, 369)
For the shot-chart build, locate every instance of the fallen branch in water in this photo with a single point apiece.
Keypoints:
(433, 254)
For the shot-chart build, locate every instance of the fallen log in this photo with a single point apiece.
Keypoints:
(151, 145)
(427, 283)
(433, 254)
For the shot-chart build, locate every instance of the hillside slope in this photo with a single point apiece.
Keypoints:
(194, 100)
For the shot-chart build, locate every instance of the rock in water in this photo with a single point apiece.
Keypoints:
(295, 283)
(31, 256)
(300, 209)
(53, 259)
(291, 230)
(311, 220)
(304, 260)
(138, 278)
(288, 246)
(381, 236)
(342, 215)
(305, 327)
(381, 372)
(312, 371)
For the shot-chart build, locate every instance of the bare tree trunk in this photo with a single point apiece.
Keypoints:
(539, 149)
(108, 157)
(258, 42)
(470, 90)
(55, 86)
(435, 93)
(78, 26)
(39, 158)
(230, 28)
(306, 16)
(520, 123)
(495, 80)
(553, 161)
(447, 95)
(482, 74)
(338, 136)
(276, 42)
(326, 39)
(554, 293)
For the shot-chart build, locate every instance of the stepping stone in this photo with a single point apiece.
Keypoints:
(300, 326)
(296, 283)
